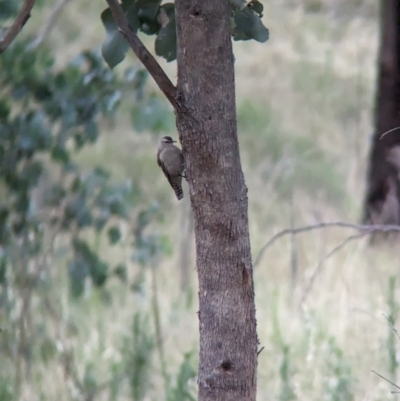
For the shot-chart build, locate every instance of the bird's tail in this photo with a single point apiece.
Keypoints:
(176, 184)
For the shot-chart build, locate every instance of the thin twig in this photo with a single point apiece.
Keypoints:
(368, 229)
(293, 249)
(260, 350)
(50, 22)
(384, 378)
(151, 64)
(388, 132)
(318, 268)
(393, 328)
(18, 24)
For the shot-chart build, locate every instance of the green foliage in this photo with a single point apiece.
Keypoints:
(296, 158)
(86, 263)
(114, 46)
(114, 235)
(285, 370)
(287, 392)
(141, 14)
(59, 115)
(152, 18)
(51, 209)
(137, 351)
(121, 272)
(6, 391)
(8, 9)
(147, 246)
(47, 349)
(165, 44)
(44, 111)
(247, 23)
(257, 7)
(392, 339)
(181, 391)
(239, 4)
(152, 115)
(338, 380)
(89, 381)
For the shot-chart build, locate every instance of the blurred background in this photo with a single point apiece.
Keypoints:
(98, 287)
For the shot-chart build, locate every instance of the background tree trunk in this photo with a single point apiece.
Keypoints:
(206, 121)
(383, 186)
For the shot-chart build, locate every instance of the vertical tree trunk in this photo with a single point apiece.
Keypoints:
(186, 245)
(383, 192)
(206, 121)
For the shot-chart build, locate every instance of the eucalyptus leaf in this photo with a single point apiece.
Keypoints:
(248, 25)
(4, 110)
(121, 272)
(148, 9)
(94, 267)
(165, 44)
(257, 7)
(92, 131)
(32, 172)
(240, 4)
(99, 273)
(78, 270)
(3, 270)
(150, 27)
(8, 8)
(60, 154)
(48, 350)
(114, 235)
(114, 46)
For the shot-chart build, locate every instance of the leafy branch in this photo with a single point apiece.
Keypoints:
(141, 52)
(152, 18)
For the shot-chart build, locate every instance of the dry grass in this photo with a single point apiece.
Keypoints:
(305, 117)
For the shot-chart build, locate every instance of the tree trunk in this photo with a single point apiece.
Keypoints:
(383, 193)
(186, 245)
(206, 121)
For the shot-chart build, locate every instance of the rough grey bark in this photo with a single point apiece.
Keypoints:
(206, 121)
(186, 262)
(383, 185)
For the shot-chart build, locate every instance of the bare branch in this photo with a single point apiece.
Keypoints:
(388, 132)
(384, 378)
(18, 24)
(50, 22)
(293, 248)
(328, 255)
(151, 64)
(393, 328)
(367, 229)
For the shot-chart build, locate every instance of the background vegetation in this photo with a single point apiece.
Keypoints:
(305, 118)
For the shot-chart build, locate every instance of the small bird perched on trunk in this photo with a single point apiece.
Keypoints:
(170, 159)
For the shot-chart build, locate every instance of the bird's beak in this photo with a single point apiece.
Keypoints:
(173, 141)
